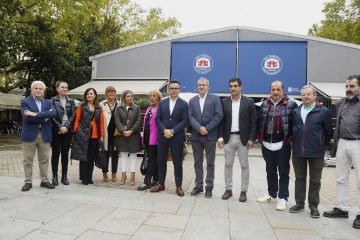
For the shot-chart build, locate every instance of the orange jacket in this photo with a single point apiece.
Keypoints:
(93, 123)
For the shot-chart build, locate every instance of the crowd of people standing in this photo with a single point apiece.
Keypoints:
(282, 127)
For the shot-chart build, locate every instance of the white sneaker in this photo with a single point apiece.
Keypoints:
(282, 205)
(267, 199)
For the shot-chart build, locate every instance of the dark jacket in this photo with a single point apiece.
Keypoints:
(209, 118)
(31, 124)
(70, 110)
(310, 138)
(339, 106)
(177, 121)
(247, 120)
(79, 150)
(131, 144)
(286, 106)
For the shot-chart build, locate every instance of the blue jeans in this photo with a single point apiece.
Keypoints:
(278, 160)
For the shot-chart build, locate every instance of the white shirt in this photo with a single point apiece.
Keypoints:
(202, 102)
(235, 109)
(172, 104)
(273, 146)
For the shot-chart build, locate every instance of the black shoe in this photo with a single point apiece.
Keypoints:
(64, 179)
(356, 223)
(90, 181)
(26, 187)
(55, 179)
(147, 186)
(336, 213)
(296, 209)
(84, 182)
(314, 213)
(208, 193)
(196, 191)
(47, 185)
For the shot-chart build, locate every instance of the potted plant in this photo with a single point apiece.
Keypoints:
(143, 103)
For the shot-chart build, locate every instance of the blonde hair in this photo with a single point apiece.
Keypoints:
(157, 93)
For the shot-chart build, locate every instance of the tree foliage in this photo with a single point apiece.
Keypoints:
(342, 21)
(52, 40)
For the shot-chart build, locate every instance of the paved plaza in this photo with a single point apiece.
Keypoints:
(111, 211)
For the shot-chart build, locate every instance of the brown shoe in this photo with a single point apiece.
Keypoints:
(179, 192)
(113, 177)
(105, 177)
(47, 185)
(227, 194)
(158, 188)
(26, 187)
(242, 197)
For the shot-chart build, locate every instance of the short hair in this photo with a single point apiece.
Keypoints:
(236, 80)
(96, 101)
(308, 86)
(123, 96)
(174, 81)
(282, 84)
(204, 79)
(57, 84)
(157, 93)
(357, 77)
(38, 82)
(109, 89)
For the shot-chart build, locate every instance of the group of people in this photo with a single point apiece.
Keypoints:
(280, 125)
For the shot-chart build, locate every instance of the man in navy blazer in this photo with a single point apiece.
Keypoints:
(36, 133)
(171, 119)
(237, 133)
(205, 114)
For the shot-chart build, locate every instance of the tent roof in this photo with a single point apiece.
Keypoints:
(10, 101)
(330, 90)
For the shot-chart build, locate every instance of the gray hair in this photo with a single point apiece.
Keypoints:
(203, 79)
(308, 86)
(38, 82)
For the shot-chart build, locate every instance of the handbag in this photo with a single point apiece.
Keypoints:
(144, 163)
(100, 159)
(117, 132)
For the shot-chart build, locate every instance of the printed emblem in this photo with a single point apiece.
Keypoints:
(203, 64)
(271, 65)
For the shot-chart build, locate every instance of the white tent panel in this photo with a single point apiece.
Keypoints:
(331, 90)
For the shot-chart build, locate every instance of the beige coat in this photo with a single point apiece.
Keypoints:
(107, 116)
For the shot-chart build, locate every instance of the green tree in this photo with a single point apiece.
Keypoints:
(342, 21)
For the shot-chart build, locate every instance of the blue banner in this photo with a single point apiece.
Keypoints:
(215, 61)
(261, 63)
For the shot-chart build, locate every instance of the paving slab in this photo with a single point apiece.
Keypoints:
(293, 234)
(47, 211)
(151, 232)
(207, 227)
(250, 225)
(167, 220)
(96, 235)
(20, 204)
(45, 235)
(12, 228)
(122, 221)
(78, 220)
(210, 207)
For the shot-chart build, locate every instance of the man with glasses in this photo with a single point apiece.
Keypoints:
(205, 114)
(171, 119)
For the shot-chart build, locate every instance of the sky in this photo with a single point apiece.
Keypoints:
(291, 16)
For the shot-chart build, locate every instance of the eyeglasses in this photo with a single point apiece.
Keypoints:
(174, 89)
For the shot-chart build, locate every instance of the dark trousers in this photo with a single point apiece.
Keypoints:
(60, 144)
(87, 168)
(198, 150)
(278, 161)
(114, 154)
(152, 169)
(176, 153)
(315, 170)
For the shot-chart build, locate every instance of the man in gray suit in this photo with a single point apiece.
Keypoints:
(237, 133)
(205, 114)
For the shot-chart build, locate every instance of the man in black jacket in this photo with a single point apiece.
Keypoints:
(274, 130)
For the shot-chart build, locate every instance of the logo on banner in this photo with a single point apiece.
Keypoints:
(203, 63)
(271, 65)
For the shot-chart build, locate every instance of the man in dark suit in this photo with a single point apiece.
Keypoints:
(205, 114)
(36, 133)
(237, 133)
(171, 119)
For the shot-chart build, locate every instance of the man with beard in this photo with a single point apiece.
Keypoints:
(347, 148)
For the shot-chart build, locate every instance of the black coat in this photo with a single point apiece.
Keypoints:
(70, 111)
(80, 144)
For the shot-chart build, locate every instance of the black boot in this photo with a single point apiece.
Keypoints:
(64, 179)
(55, 179)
